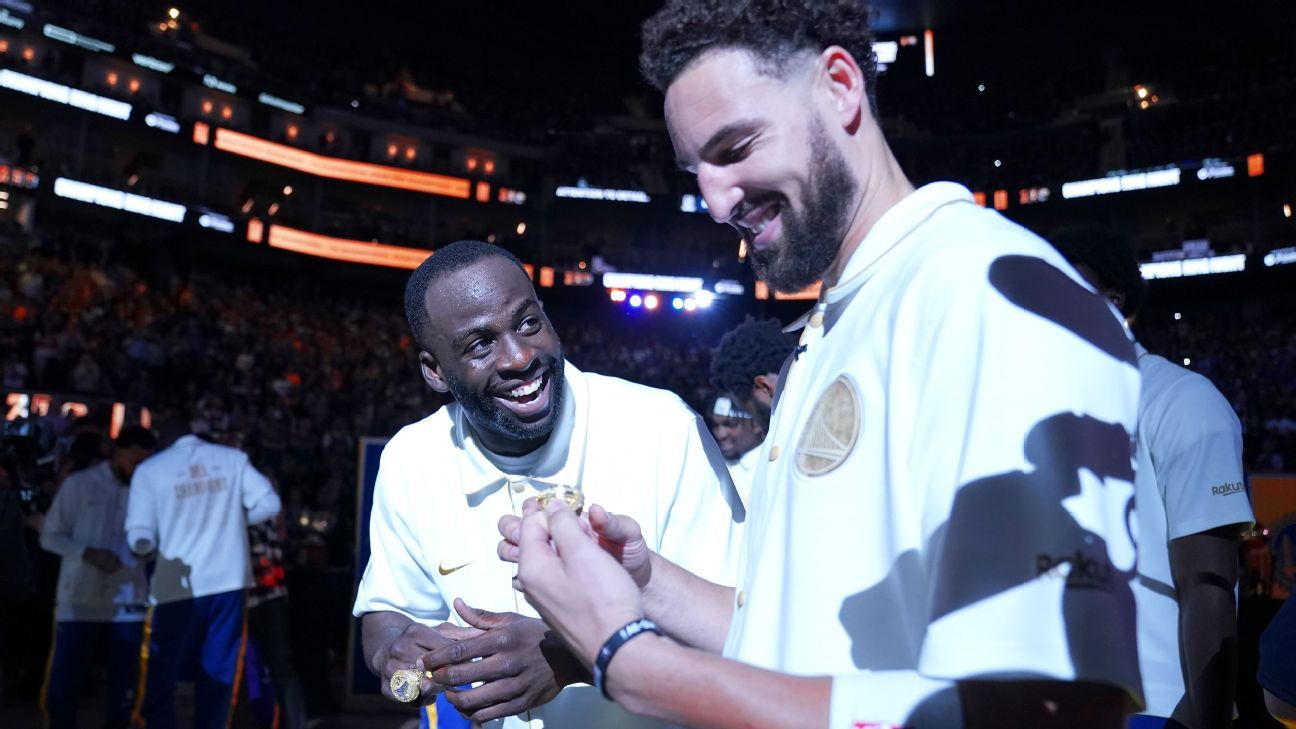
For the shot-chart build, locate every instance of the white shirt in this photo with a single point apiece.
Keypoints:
(632, 449)
(89, 510)
(742, 470)
(946, 478)
(194, 501)
(1190, 480)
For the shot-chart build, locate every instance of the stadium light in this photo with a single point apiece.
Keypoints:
(704, 298)
(690, 305)
(617, 295)
(174, 13)
(636, 300)
(650, 301)
(677, 303)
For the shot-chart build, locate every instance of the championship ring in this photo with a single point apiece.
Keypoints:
(574, 499)
(405, 685)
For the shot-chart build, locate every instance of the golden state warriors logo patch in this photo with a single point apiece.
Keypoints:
(830, 434)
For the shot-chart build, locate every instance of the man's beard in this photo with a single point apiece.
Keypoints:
(484, 410)
(811, 240)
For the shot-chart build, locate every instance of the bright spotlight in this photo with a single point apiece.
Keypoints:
(618, 295)
(677, 303)
(704, 298)
(636, 300)
(690, 304)
(650, 301)
(174, 13)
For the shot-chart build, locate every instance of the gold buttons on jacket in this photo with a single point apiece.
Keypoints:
(742, 598)
(774, 453)
(518, 486)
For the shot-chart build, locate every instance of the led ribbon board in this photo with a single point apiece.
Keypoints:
(650, 282)
(60, 94)
(118, 200)
(364, 173)
(342, 249)
(1194, 266)
(599, 193)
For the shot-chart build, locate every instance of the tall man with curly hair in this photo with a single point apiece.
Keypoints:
(938, 535)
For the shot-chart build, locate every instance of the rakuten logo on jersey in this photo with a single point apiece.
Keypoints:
(1226, 489)
(1078, 569)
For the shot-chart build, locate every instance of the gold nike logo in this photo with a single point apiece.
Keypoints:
(451, 570)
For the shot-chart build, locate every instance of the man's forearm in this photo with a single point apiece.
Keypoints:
(658, 678)
(1204, 567)
(655, 677)
(692, 610)
(377, 633)
(1208, 636)
(60, 543)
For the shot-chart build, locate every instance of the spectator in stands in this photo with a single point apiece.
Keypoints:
(1191, 502)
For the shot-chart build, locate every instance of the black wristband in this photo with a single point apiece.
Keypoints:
(613, 644)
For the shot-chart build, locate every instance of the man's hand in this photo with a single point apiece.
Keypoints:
(619, 536)
(103, 559)
(523, 665)
(579, 589)
(414, 641)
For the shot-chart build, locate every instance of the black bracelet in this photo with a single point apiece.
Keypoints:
(613, 644)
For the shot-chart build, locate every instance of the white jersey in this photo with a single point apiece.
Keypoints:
(1190, 480)
(743, 470)
(632, 449)
(947, 476)
(90, 511)
(194, 502)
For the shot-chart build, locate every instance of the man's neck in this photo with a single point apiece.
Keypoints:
(122, 478)
(882, 185)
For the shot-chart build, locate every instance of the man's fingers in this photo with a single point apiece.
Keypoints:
(457, 632)
(460, 651)
(611, 527)
(565, 529)
(510, 527)
(491, 669)
(490, 701)
(508, 551)
(531, 506)
(481, 619)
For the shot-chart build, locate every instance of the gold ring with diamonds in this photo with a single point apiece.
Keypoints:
(405, 685)
(573, 498)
